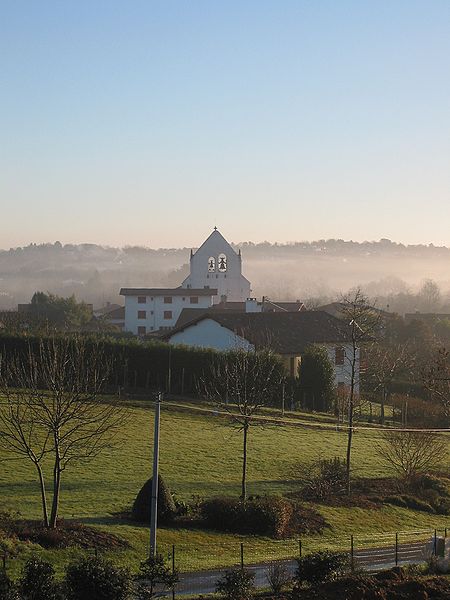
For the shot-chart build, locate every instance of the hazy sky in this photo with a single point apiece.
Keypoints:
(145, 122)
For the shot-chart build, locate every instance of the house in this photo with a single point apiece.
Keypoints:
(114, 316)
(251, 305)
(286, 333)
(217, 265)
(150, 310)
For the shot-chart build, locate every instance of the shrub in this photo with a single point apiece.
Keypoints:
(319, 567)
(6, 587)
(278, 577)
(396, 501)
(142, 505)
(155, 573)
(96, 579)
(236, 584)
(324, 479)
(270, 515)
(37, 581)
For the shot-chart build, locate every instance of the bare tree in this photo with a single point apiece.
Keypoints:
(363, 322)
(53, 409)
(436, 379)
(411, 453)
(241, 382)
(385, 362)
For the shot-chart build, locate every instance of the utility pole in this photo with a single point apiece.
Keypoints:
(154, 506)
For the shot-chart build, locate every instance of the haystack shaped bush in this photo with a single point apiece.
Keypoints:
(142, 505)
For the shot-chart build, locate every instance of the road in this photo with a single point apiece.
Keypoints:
(370, 559)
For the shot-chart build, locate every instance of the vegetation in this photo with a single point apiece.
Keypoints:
(269, 516)
(141, 510)
(154, 572)
(53, 410)
(236, 584)
(200, 456)
(316, 379)
(318, 567)
(95, 578)
(411, 453)
(249, 381)
(59, 312)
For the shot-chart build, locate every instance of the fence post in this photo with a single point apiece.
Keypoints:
(299, 548)
(242, 555)
(445, 532)
(435, 543)
(4, 561)
(396, 549)
(173, 570)
(352, 553)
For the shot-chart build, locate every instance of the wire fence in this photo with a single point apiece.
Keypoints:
(371, 552)
(200, 567)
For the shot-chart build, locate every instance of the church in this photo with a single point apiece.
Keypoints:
(217, 265)
(215, 277)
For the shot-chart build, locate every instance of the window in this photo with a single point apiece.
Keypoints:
(142, 299)
(339, 356)
(142, 314)
(167, 299)
(142, 330)
(194, 299)
(167, 314)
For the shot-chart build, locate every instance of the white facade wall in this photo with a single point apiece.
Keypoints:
(342, 372)
(155, 310)
(230, 283)
(209, 334)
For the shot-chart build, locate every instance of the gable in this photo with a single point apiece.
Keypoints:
(208, 333)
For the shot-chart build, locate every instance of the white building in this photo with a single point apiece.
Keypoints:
(286, 333)
(149, 310)
(216, 265)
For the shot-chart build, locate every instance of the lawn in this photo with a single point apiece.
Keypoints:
(200, 455)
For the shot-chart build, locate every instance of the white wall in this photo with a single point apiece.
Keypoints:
(342, 373)
(209, 334)
(231, 283)
(155, 307)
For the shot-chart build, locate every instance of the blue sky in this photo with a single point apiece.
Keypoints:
(145, 122)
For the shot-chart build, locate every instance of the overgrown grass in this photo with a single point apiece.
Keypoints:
(201, 455)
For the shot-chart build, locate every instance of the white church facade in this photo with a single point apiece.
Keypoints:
(215, 276)
(217, 265)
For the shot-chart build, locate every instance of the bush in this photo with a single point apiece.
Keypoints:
(320, 567)
(141, 510)
(270, 515)
(236, 584)
(96, 579)
(155, 572)
(327, 478)
(37, 581)
(6, 587)
(278, 577)
(396, 501)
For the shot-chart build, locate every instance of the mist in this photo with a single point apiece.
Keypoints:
(314, 272)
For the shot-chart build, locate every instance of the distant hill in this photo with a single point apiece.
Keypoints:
(285, 271)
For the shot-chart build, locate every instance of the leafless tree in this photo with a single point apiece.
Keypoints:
(241, 382)
(436, 379)
(385, 362)
(363, 323)
(52, 409)
(411, 453)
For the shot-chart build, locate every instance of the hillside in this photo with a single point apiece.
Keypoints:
(95, 274)
(200, 455)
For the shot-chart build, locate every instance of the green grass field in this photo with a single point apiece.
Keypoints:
(201, 455)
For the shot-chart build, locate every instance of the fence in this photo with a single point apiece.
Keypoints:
(200, 567)
(199, 573)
